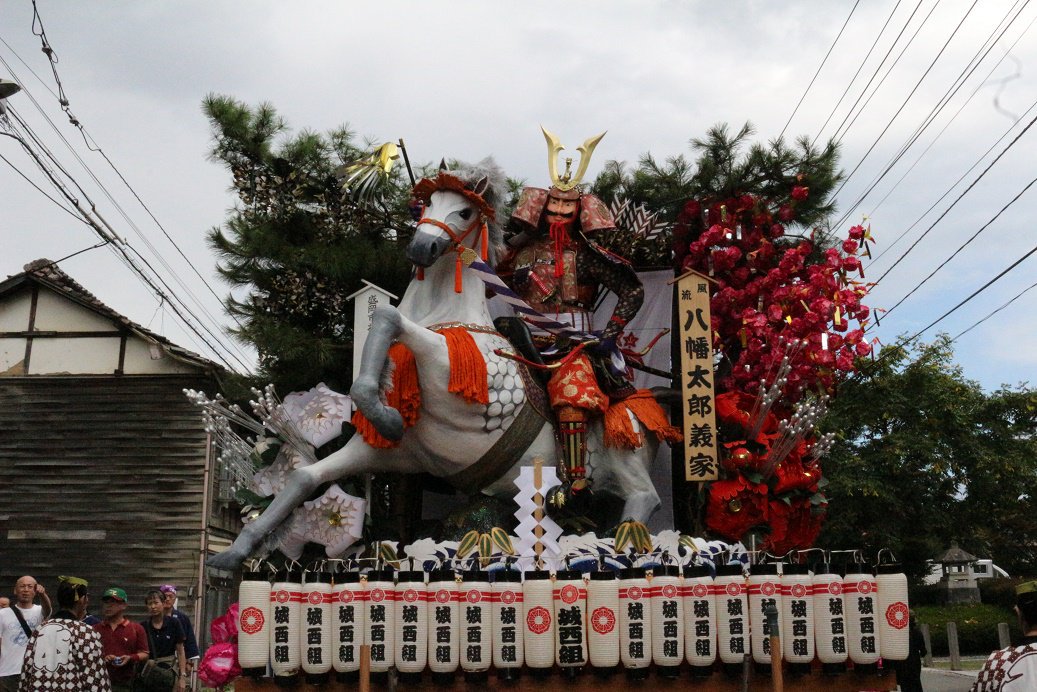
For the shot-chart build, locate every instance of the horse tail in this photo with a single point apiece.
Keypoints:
(619, 430)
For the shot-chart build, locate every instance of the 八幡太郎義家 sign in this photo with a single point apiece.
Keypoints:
(700, 439)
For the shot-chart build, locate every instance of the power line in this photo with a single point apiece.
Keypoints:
(823, 61)
(959, 82)
(857, 73)
(962, 246)
(908, 99)
(989, 315)
(955, 202)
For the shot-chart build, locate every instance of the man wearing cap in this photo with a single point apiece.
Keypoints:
(65, 655)
(190, 642)
(125, 643)
(1014, 669)
(16, 626)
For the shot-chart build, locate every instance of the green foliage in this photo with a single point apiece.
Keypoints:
(923, 456)
(295, 246)
(728, 166)
(1000, 592)
(977, 626)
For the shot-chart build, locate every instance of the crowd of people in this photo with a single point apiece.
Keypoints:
(67, 649)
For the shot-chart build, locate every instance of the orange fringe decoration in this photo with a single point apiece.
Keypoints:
(467, 366)
(619, 431)
(484, 236)
(405, 397)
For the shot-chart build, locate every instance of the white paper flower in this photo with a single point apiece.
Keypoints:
(334, 520)
(272, 479)
(318, 413)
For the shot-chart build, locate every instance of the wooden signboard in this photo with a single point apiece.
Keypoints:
(700, 440)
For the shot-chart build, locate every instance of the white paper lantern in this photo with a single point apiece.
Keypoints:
(732, 614)
(635, 622)
(285, 607)
(507, 612)
(667, 620)
(381, 619)
(797, 616)
(315, 627)
(764, 591)
(700, 619)
(539, 632)
(254, 623)
(444, 627)
(411, 624)
(893, 613)
(349, 618)
(829, 618)
(476, 625)
(860, 604)
(603, 619)
(570, 607)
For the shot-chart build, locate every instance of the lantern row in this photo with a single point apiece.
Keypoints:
(632, 618)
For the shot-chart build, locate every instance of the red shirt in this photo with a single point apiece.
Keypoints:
(127, 639)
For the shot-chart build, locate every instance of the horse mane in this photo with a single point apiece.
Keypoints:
(495, 195)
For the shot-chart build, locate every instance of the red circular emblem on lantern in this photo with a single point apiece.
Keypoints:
(410, 595)
(799, 591)
(733, 589)
(538, 620)
(377, 595)
(473, 597)
(634, 592)
(669, 591)
(345, 596)
(314, 598)
(508, 597)
(700, 591)
(569, 593)
(767, 589)
(251, 620)
(864, 586)
(603, 620)
(835, 588)
(897, 615)
(282, 596)
(442, 596)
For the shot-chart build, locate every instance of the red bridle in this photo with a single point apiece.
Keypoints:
(458, 245)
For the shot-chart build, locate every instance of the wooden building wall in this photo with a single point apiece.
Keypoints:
(102, 477)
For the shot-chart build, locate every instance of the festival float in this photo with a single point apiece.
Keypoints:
(502, 372)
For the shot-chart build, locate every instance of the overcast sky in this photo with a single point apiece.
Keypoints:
(468, 79)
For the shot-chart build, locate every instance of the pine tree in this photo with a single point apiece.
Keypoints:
(295, 245)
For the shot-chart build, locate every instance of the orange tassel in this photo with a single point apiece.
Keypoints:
(485, 237)
(467, 366)
(421, 274)
(457, 274)
(619, 431)
(405, 397)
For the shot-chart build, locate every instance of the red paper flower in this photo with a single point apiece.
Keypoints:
(794, 525)
(735, 506)
(800, 193)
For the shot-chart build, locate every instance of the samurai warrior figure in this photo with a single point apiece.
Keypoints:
(555, 265)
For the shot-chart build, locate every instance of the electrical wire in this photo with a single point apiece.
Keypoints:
(955, 202)
(906, 101)
(857, 73)
(819, 67)
(991, 314)
(962, 246)
(958, 83)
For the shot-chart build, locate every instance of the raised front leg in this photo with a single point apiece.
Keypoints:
(366, 389)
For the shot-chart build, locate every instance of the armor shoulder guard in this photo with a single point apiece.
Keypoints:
(594, 215)
(530, 206)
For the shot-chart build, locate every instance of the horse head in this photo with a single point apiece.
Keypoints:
(456, 206)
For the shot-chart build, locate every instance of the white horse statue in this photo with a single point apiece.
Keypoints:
(476, 445)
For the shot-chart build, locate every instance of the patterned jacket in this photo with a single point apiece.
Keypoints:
(1010, 670)
(64, 655)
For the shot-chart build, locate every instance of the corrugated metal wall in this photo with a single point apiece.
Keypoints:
(102, 478)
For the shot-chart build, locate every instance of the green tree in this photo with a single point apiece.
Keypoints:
(924, 456)
(295, 245)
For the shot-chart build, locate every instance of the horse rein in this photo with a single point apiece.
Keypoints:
(458, 244)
